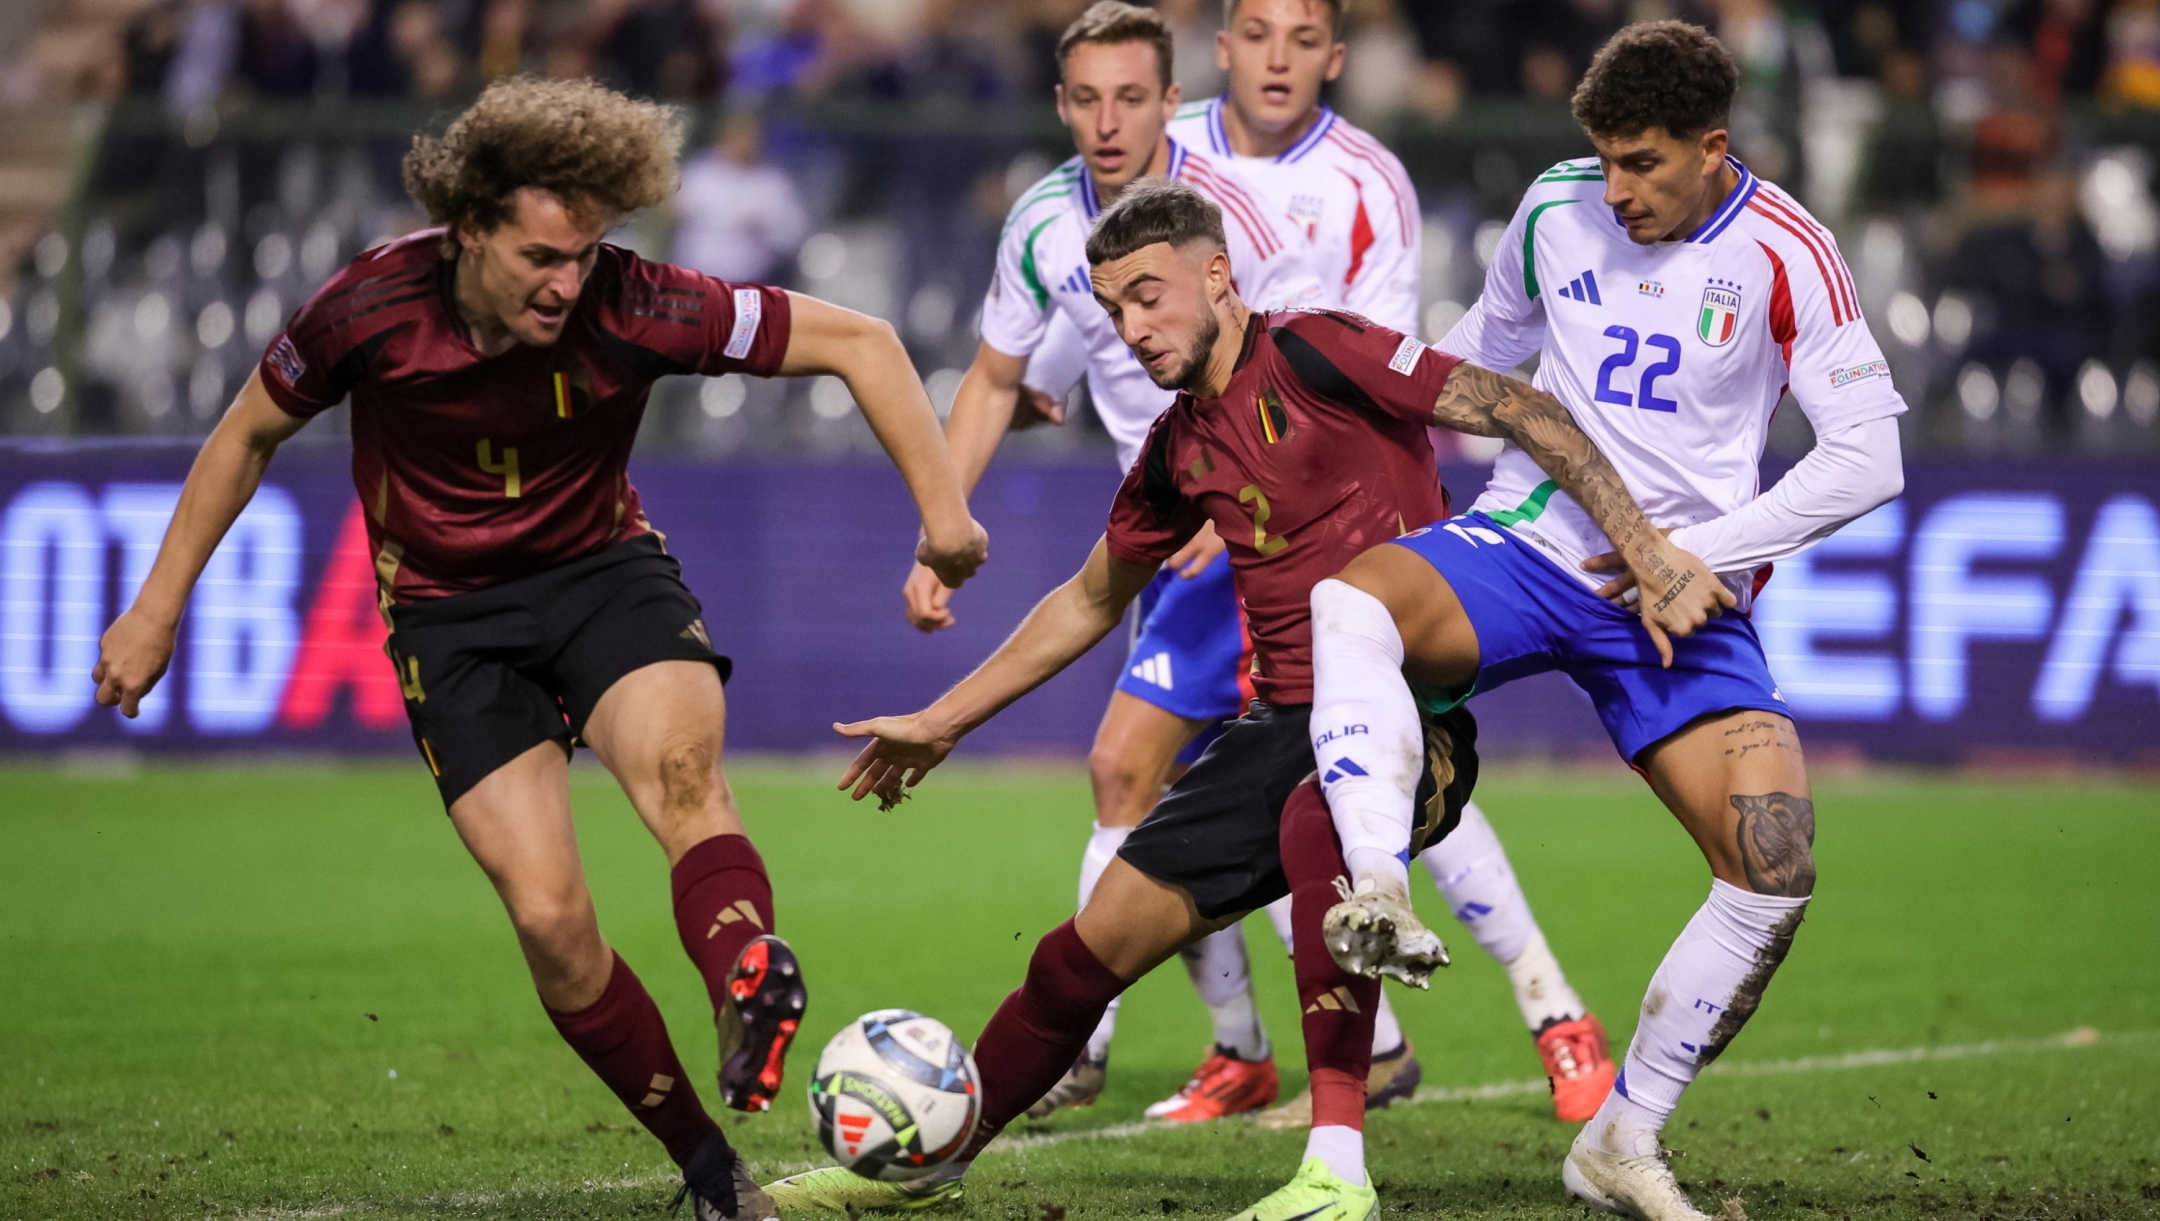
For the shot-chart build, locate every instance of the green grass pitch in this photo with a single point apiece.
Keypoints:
(266, 991)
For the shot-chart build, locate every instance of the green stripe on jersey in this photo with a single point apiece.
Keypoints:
(1028, 269)
(1532, 507)
(1529, 245)
(1020, 209)
(1570, 178)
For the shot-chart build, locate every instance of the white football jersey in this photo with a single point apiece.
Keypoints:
(1347, 195)
(1671, 356)
(1042, 271)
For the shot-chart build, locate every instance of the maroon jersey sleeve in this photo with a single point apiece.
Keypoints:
(694, 323)
(1362, 364)
(1151, 518)
(327, 344)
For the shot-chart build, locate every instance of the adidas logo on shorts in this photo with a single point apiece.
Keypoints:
(1155, 670)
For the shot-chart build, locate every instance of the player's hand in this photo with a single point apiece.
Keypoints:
(131, 658)
(1677, 592)
(901, 751)
(929, 602)
(1193, 558)
(953, 555)
(1035, 407)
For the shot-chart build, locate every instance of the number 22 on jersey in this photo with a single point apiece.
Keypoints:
(1632, 346)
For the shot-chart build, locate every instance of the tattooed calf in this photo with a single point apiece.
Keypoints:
(1777, 839)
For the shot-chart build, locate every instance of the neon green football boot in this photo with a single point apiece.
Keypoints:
(1315, 1193)
(843, 1190)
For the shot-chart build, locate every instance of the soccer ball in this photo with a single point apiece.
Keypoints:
(895, 1095)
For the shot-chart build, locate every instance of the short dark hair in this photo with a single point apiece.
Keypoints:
(1338, 15)
(1154, 210)
(1665, 74)
(1111, 21)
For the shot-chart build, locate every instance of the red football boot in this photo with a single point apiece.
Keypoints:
(767, 990)
(1222, 1085)
(1578, 1065)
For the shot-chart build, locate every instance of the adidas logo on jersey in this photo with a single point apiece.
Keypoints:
(1343, 767)
(1155, 670)
(1078, 283)
(1583, 288)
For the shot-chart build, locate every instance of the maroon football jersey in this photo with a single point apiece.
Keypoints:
(1316, 451)
(476, 470)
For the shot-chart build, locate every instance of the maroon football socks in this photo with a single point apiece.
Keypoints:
(624, 1040)
(723, 901)
(1040, 1030)
(1338, 1006)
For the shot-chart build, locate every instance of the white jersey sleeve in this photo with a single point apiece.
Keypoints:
(1836, 369)
(1060, 360)
(1016, 311)
(1836, 373)
(1506, 324)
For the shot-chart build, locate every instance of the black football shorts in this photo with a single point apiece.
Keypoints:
(489, 675)
(1215, 834)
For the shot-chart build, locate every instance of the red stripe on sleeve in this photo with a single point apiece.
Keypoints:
(1837, 313)
(1825, 250)
(1783, 327)
(1236, 202)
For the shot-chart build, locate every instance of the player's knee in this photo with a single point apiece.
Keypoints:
(1776, 839)
(558, 927)
(1122, 785)
(687, 769)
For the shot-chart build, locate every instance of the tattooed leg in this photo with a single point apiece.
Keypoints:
(1776, 836)
(1738, 784)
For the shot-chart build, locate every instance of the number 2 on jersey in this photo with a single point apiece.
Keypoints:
(1646, 389)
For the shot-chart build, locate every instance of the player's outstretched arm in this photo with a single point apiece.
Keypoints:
(865, 353)
(1068, 622)
(139, 645)
(1679, 592)
(982, 412)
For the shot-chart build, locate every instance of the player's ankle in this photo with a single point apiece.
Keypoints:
(1341, 1149)
(1387, 870)
(1624, 1127)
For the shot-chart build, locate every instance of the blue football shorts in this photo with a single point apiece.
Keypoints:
(1190, 655)
(1531, 616)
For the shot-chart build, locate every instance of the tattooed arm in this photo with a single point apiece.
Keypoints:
(1679, 593)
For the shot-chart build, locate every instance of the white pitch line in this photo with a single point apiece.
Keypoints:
(2083, 1036)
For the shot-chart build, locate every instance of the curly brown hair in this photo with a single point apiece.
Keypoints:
(577, 140)
(1665, 74)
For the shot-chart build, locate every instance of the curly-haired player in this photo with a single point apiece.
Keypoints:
(498, 367)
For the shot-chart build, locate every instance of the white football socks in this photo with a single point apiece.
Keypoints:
(1219, 969)
(1102, 846)
(1366, 737)
(1387, 1033)
(1704, 991)
(1341, 1149)
(1472, 871)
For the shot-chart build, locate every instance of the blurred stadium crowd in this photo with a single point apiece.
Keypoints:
(205, 163)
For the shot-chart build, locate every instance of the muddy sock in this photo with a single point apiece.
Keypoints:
(1702, 994)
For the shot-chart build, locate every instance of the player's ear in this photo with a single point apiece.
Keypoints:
(1715, 143)
(1219, 282)
(1222, 49)
(1335, 61)
(1172, 97)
